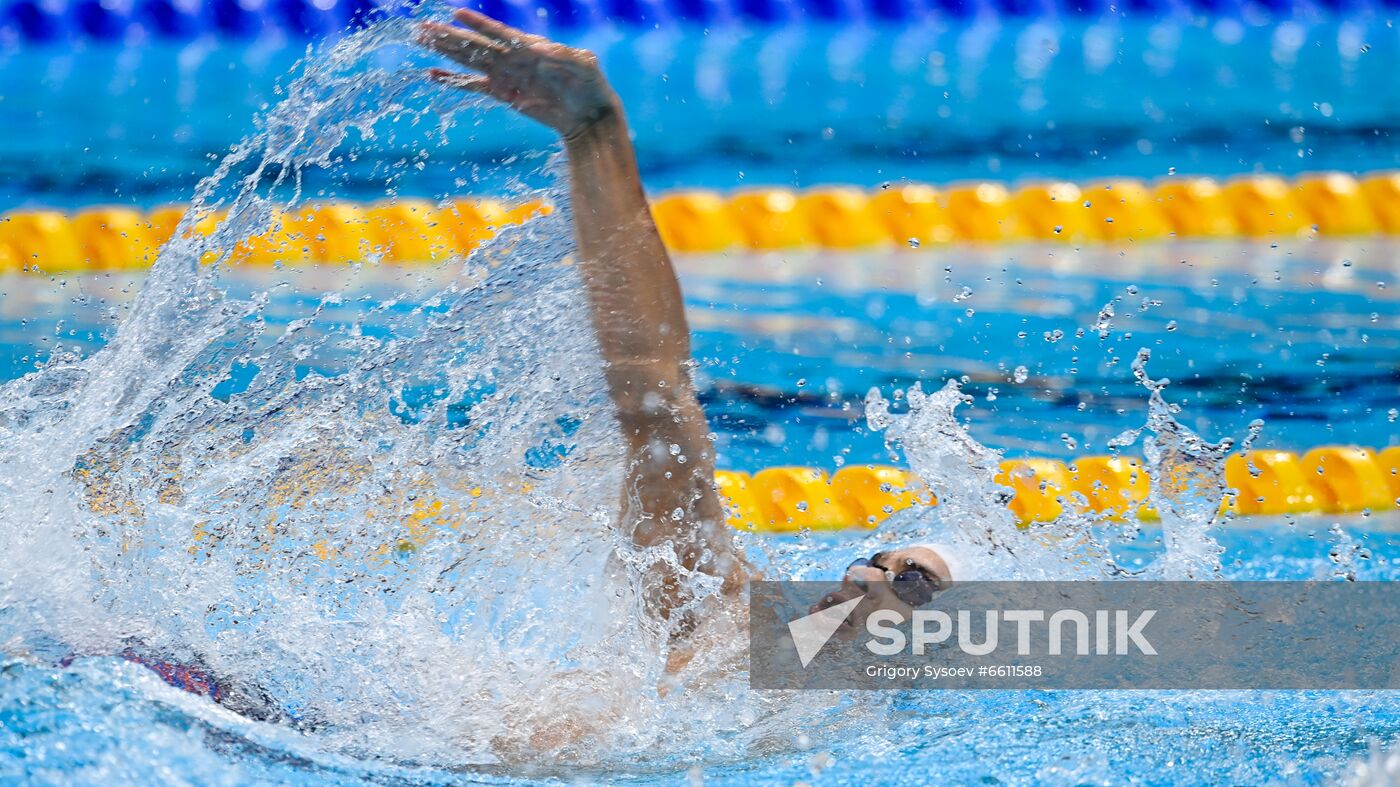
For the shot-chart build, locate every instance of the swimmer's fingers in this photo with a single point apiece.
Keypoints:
(491, 28)
(472, 50)
(473, 82)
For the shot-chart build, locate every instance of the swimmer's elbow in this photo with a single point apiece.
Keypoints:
(660, 431)
(648, 392)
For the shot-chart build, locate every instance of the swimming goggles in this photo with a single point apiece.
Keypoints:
(914, 586)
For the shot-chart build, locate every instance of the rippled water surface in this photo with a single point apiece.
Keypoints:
(104, 719)
(1303, 335)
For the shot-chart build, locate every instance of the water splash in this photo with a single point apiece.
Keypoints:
(388, 515)
(1380, 768)
(1187, 490)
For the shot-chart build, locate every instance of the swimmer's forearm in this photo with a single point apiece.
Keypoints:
(637, 307)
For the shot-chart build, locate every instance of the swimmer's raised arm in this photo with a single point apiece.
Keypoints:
(634, 298)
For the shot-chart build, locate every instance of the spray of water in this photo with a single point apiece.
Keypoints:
(1187, 489)
(389, 520)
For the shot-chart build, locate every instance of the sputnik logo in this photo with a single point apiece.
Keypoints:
(810, 633)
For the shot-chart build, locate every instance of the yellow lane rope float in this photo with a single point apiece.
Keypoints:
(843, 218)
(1122, 210)
(1332, 479)
(118, 238)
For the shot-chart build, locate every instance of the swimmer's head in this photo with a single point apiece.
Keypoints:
(899, 580)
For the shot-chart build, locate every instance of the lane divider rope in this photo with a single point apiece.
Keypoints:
(1121, 210)
(121, 20)
(1330, 479)
(696, 221)
(123, 238)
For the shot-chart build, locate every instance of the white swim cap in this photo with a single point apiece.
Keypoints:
(959, 567)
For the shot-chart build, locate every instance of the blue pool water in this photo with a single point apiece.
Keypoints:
(224, 440)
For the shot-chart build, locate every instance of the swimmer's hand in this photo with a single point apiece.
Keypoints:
(559, 86)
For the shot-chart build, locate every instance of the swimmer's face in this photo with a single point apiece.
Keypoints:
(899, 580)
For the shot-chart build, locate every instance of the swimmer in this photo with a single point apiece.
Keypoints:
(634, 298)
(638, 316)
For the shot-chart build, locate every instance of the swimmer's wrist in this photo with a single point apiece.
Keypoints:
(604, 124)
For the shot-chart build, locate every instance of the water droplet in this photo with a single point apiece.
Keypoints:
(1104, 323)
(1171, 326)
(1020, 375)
(913, 243)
